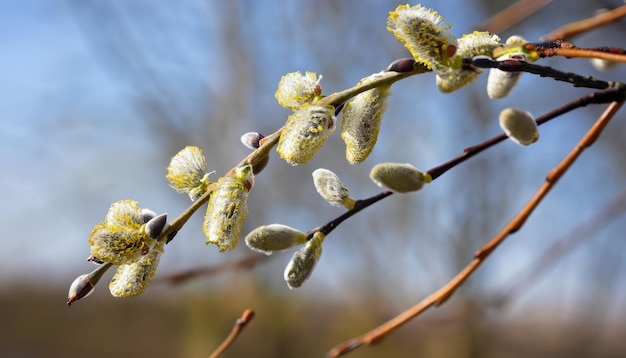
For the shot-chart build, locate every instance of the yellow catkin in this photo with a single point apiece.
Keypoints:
(361, 122)
(227, 209)
(305, 132)
(132, 279)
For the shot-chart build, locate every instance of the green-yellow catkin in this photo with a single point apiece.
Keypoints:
(305, 132)
(133, 279)
(274, 237)
(425, 34)
(295, 89)
(361, 121)
(303, 261)
(330, 187)
(470, 45)
(401, 178)
(121, 238)
(500, 83)
(519, 126)
(227, 209)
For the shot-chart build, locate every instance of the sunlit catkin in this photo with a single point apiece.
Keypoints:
(295, 89)
(132, 279)
(361, 121)
(470, 45)
(425, 34)
(121, 238)
(305, 132)
(187, 172)
(227, 209)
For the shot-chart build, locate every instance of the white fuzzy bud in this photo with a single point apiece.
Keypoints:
(519, 126)
(500, 83)
(330, 187)
(303, 261)
(401, 178)
(275, 237)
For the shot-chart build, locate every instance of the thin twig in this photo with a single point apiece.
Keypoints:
(575, 28)
(543, 71)
(245, 263)
(566, 49)
(240, 324)
(512, 15)
(440, 296)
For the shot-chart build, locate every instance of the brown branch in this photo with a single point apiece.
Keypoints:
(440, 296)
(512, 15)
(245, 263)
(575, 28)
(240, 324)
(543, 71)
(566, 49)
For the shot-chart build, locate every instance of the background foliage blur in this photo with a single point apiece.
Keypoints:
(97, 96)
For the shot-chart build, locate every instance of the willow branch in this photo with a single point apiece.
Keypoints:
(513, 14)
(543, 71)
(440, 296)
(240, 324)
(575, 28)
(245, 263)
(569, 50)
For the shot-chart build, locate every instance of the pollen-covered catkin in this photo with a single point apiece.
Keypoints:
(470, 45)
(227, 209)
(361, 121)
(132, 279)
(425, 34)
(305, 132)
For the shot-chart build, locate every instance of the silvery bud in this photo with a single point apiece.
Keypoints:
(519, 126)
(303, 261)
(155, 226)
(401, 178)
(275, 237)
(83, 285)
(330, 187)
(252, 140)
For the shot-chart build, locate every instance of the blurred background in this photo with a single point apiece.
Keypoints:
(97, 96)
